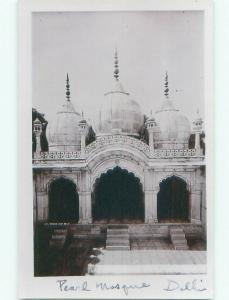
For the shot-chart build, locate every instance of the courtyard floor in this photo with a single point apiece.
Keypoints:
(150, 262)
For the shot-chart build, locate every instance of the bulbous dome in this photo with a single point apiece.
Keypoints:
(119, 113)
(173, 128)
(64, 134)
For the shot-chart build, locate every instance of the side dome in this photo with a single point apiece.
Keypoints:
(173, 128)
(119, 113)
(64, 134)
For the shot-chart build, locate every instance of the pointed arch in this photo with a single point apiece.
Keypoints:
(173, 200)
(63, 200)
(118, 196)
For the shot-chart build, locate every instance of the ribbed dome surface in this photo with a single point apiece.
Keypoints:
(173, 128)
(64, 134)
(119, 113)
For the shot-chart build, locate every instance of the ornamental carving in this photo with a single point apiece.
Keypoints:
(168, 153)
(59, 155)
(117, 139)
(121, 140)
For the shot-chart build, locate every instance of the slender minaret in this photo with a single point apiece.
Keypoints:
(83, 126)
(67, 89)
(37, 129)
(166, 90)
(197, 128)
(116, 67)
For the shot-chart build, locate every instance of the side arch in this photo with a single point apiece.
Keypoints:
(180, 175)
(63, 201)
(173, 200)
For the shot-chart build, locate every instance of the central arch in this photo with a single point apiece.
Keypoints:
(118, 198)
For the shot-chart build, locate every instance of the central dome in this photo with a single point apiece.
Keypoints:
(119, 113)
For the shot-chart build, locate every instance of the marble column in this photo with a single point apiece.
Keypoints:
(85, 207)
(195, 197)
(42, 206)
(150, 206)
(85, 199)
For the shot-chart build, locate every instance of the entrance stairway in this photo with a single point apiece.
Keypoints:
(118, 237)
(178, 239)
(58, 238)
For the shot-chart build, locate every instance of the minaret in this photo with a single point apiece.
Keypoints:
(83, 127)
(197, 128)
(150, 125)
(37, 129)
(166, 90)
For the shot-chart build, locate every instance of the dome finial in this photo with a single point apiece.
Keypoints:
(166, 90)
(67, 89)
(116, 68)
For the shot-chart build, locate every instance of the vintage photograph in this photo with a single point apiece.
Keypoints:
(118, 143)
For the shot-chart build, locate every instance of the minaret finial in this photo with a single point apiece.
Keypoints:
(67, 89)
(116, 68)
(166, 91)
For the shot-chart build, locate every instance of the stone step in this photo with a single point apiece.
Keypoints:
(178, 238)
(58, 238)
(117, 231)
(117, 242)
(179, 247)
(60, 231)
(118, 248)
(180, 233)
(116, 236)
(117, 226)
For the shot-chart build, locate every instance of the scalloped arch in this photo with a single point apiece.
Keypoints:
(54, 178)
(176, 174)
(110, 164)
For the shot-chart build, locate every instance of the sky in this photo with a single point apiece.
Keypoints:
(148, 43)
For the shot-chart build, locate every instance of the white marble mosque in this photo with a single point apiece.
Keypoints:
(153, 186)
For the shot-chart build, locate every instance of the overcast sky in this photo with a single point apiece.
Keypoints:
(149, 43)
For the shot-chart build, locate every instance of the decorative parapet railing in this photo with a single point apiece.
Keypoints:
(60, 155)
(121, 140)
(117, 139)
(174, 153)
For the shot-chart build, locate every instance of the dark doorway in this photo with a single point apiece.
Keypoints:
(173, 200)
(63, 201)
(118, 197)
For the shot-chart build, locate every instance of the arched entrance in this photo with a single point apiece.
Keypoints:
(63, 201)
(173, 200)
(118, 198)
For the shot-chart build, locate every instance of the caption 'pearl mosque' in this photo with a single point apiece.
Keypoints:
(137, 180)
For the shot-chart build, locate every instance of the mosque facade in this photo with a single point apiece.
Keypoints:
(121, 177)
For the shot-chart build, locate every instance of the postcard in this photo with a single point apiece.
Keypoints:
(116, 149)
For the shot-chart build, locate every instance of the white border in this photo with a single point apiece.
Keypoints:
(38, 287)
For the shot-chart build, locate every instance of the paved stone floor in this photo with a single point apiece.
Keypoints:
(154, 244)
(164, 244)
(151, 262)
